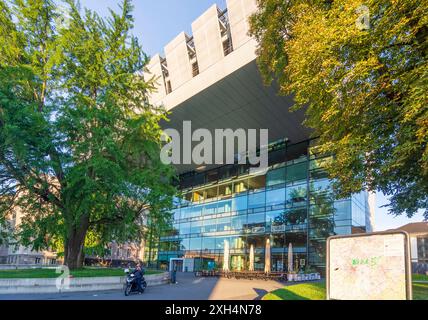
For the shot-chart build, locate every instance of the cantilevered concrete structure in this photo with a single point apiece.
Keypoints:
(212, 79)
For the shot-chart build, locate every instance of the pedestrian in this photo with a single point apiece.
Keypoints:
(174, 275)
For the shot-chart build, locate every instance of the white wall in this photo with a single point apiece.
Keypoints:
(207, 37)
(176, 54)
(154, 71)
(239, 11)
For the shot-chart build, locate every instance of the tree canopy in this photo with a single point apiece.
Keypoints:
(360, 70)
(79, 142)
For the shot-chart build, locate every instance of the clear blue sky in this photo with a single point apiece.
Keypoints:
(158, 21)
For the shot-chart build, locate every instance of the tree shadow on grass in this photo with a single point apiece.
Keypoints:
(303, 291)
(260, 293)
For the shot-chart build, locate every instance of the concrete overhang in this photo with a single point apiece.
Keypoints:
(231, 94)
(240, 100)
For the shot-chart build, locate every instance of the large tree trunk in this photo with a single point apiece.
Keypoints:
(74, 244)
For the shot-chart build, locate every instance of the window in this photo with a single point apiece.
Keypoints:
(196, 226)
(240, 186)
(316, 168)
(227, 46)
(256, 200)
(276, 196)
(276, 176)
(238, 222)
(225, 190)
(185, 212)
(184, 228)
(319, 188)
(184, 245)
(210, 193)
(297, 172)
(191, 211)
(256, 183)
(210, 208)
(258, 241)
(278, 240)
(297, 239)
(296, 195)
(239, 203)
(342, 210)
(175, 245)
(321, 228)
(195, 243)
(224, 206)
(220, 242)
(210, 225)
(208, 243)
(37, 261)
(342, 230)
(198, 196)
(422, 244)
(195, 69)
(276, 219)
(176, 214)
(296, 216)
(255, 221)
(237, 242)
(223, 224)
(168, 87)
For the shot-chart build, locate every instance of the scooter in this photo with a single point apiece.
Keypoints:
(130, 285)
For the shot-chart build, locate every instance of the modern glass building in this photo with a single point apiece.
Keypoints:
(211, 79)
(290, 204)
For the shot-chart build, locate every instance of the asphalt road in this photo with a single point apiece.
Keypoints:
(188, 288)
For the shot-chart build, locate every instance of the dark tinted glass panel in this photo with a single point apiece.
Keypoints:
(296, 216)
(276, 176)
(297, 172)
(297, 151)
(297, 239)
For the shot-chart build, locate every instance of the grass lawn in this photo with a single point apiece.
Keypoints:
(303, 291)
(50, 273)
(316, 291)
(420, 291)
(419, 277)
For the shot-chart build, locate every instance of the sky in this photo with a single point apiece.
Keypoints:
(157, 22)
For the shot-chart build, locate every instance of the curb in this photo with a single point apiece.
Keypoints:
(36, 285)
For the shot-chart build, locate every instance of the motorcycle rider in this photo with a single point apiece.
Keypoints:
(138, 273)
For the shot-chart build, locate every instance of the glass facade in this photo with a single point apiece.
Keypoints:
(291, 203)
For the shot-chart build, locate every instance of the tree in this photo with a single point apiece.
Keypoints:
(79, 143)
(361, 73)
